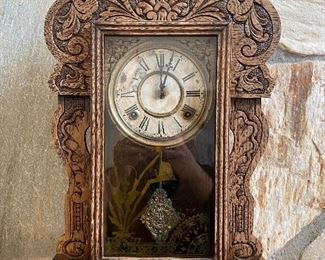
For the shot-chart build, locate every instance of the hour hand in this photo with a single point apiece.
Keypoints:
(162, 86)
(162, 94)
(161, 79)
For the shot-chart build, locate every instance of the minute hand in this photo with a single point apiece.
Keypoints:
(169, 66)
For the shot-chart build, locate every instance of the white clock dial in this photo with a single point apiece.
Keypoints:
(159, 96)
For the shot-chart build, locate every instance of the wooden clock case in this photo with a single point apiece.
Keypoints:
(249, 31)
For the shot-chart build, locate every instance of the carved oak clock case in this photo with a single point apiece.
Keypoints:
(160, 125)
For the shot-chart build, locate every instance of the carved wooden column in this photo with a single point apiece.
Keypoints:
(254, 31)
(250, 132)
(72, 121)
(256, 35)
(68, 36)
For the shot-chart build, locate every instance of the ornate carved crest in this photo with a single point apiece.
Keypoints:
(255, 36)
(255, 32)
(162, 10)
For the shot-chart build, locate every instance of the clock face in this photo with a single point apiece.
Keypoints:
(159, 95)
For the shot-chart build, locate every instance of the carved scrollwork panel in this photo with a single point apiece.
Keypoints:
(162, 10)
(256, 33)
(72, 122)
(250, 132)
(68, 36)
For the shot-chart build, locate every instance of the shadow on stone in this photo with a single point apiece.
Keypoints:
(294, 249)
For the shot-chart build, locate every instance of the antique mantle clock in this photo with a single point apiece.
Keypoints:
(160, 124)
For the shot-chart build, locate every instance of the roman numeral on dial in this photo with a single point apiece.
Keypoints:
(175, 66)
(193, 93)
(188, 111)
(132, 109)
(161, 128)
(129, 94)
(144, 65)
(160, 60)
(189, 76)
(144, 123)
(177, 122)
(132, 112)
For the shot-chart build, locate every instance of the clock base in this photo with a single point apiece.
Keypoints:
(65, 257)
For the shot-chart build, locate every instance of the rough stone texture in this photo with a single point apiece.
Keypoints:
(32, 181)
(288, 184)
(316, 250)
(303, 243)
(303, 25)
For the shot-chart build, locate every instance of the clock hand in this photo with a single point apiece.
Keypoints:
(161, 78)
(161, 68)
(161, 87)
(163, 84)
(169, 66)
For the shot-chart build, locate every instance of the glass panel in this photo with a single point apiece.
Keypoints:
(159, 146)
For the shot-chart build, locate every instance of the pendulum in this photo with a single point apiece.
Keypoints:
(160, 217)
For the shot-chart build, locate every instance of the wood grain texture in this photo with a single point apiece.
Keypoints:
(250, 131)
(252, 34)
(71, 122)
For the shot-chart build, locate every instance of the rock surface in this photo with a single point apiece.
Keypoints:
(288, 184)
(316, 250)
(303, 26)
(296, 247)
(32, 180)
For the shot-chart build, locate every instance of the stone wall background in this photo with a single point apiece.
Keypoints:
(32, 180)
(288, 185)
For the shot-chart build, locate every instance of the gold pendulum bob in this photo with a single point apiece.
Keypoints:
(160, 217)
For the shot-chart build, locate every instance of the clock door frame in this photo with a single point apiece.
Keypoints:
(222, 32)
(252, 35)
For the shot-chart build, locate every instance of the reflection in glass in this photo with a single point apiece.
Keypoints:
(159, 201)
